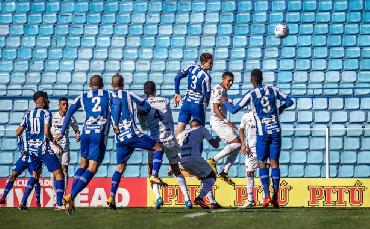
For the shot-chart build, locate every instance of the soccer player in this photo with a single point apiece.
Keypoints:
(225, 129)
(160, 123)
(96, 105)
(263, 101)
(248, 138)
(37, 123)
(57, 123)
(23, 163)
(129, 137)
(197, 94)
(192, 161)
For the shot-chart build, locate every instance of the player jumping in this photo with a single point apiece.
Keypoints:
(37, 124)
(160, 123)
(57, 123)
(197, 94)
(263, 101)
(192, 161)
(129, 137)
(23, 163)
(248, 139)
(96, 105)
(225, 129)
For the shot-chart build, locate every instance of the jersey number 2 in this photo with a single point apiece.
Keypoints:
(97, 107)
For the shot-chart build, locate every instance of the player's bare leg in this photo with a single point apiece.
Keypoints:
(231, 147)
(111, 201)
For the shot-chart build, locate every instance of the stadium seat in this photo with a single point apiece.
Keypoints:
(346, 171)
(362, 171)
(312, 171)
(296, 170)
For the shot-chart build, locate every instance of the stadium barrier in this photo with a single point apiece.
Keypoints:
(136, 192)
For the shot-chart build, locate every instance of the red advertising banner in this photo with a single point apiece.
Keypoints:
(132, 192)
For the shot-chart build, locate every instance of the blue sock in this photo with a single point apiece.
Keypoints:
(7, 189)
(76, 177)
(157, 162)
(115, 183)
(265, 181)
(82, 183)
(275, 175)
(59, 188)
(38, 192)
(31, 182)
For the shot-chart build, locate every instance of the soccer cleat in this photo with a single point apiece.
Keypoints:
(2, 201)
(170, 172)
(158, 203)
(223, 176)
(249, 204)
(215, 206)
(188, 204)
(111, 203)
(199, 201)
(275, 204)
(22, 207)
(69, 204)
(213, 164)
(266, 202)
(38, 204)
(58, 208)
(157, 180)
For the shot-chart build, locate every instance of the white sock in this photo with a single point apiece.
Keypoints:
(229, 148)
(182, 183)
(52, 182)
(250, 185)
(155, 188)
(211, 198)
(65, 180)
(230, 160)
(206, 187)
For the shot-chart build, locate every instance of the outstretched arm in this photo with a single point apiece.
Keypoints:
(180, 76)
(71, 110)
(240, 105)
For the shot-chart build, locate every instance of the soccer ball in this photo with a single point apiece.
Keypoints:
(281, 30)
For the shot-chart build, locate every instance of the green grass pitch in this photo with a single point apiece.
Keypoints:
(88, 218)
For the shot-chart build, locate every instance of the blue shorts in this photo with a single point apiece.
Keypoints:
(191, 110)
(268, 146)
(93, 147)
(24, 163)
(126, 148)
(51, 161)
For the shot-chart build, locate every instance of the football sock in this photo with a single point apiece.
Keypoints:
(77, 175)
(230, 160)
(264, 176)
(116, 178)
(229, 148)
(59, 186)
(66, 177)
(182, 183)
(31, 182)
(157, 162)
(52, 182)
(275, 174)
(155, 188)
(82, 183)
(250, 185)
(206, 186)
(7, 189)
(38, 192)
(211, 197)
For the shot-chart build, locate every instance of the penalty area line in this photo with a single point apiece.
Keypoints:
(197, 214)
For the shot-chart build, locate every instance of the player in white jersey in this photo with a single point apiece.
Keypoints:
(57, 123)
(192, 161)
(159, 122)
(248, 139)
(225, 129)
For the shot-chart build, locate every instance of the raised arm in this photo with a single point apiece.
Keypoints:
(140, 101)
(240, 105)
(215, 142)
(71, 110)
(180, 76)
(207, 89)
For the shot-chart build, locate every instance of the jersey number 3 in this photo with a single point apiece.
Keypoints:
(97, 107)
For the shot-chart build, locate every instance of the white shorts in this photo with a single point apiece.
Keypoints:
(225, 132)
(171, 149)
(200, 169)
(251, 162)
(63, 157)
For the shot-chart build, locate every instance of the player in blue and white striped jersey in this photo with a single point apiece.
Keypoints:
(37, 124)
(129, 137)
(96, 105)
(263, 100)
(198, 92)
(24, 162)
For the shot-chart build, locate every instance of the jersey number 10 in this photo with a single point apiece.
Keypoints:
(35, 126)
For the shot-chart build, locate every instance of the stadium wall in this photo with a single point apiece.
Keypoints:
(136, 192)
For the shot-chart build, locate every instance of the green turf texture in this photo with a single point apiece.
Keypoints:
(177, 218)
